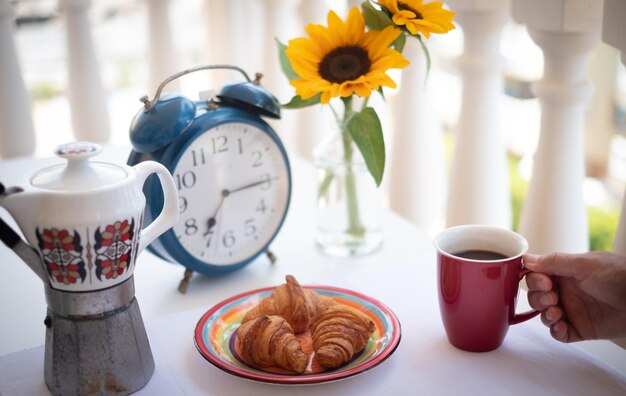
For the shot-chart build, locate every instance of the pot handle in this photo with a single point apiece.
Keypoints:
(169, 213)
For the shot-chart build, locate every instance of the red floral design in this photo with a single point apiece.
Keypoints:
(118, 231)
(62, 253)
(114, 249)
(54, 238)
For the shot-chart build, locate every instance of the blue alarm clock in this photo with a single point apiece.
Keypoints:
(230, 167)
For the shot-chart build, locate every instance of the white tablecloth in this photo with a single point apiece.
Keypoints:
(402, 275)
(528, 363)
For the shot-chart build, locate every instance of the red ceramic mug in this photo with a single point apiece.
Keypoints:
(479, 271)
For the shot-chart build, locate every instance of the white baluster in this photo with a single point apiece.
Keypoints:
(217, 49)
(614, 34)
(272, 19)
(479, 185)
(240, 46)
(417, 164)
(309, 119)
(554, 217)
(90, 118)
(600, 125)
(245, 41)
(162, 54)
(17, 135)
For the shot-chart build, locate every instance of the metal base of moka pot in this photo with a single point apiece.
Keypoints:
(96, 342)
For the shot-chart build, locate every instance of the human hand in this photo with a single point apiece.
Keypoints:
(589, 299)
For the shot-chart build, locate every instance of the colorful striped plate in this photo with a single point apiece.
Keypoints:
(216, 333)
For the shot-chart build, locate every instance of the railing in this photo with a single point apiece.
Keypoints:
(553, 216)
(613, 33)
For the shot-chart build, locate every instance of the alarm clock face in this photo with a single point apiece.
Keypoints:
(233, 185)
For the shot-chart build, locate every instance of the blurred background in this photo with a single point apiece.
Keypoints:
(121, 37)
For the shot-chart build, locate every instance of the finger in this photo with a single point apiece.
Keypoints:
(542, 300)
(538, 282)
(562, 264)
(545, 320)
(559, 331)
(551, 315)
(564, 332)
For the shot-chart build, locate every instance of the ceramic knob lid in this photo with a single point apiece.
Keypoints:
(79, 173)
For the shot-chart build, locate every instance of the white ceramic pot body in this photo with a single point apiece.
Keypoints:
(85, 219)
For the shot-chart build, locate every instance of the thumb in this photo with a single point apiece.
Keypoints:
(560, 264)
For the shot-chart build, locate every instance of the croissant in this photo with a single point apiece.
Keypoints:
(340, 333)
(299, 306)
(268, 341)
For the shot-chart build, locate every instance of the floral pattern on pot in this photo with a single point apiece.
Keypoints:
(114, 249)
(62, 254)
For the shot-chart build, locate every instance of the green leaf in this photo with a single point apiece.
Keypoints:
(398, 43)
(297, 102)
(375, 19)
(285, 65)
(367, 133)
(427, 55)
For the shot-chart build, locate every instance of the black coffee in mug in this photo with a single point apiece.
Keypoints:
(484, 255)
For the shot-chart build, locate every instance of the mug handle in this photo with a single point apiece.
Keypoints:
(169, 213)
(522, 317)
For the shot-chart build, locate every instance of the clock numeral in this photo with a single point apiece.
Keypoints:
(267, 181)
(257, 159)
(228, 239)
(261, 207)
(240, 144)
(198, 157)
(190, 227)
(187, 180)
(182, 204)
(249, 227)
(219, 144)
(209, 234)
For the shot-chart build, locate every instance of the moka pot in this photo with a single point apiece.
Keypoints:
(83, 221)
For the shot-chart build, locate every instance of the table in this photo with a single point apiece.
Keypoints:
(402, 275)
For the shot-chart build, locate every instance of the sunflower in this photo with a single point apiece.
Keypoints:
(342, 59)
(419, 18)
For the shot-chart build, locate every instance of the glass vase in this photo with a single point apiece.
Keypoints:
(349, 204)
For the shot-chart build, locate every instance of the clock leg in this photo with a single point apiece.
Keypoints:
(270, 256)
(184, 283)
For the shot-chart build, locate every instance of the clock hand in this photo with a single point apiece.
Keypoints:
(216, 246)
(212, 220)
(253, 184)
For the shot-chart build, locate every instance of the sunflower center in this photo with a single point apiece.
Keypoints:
(344, 64)
(405, 7)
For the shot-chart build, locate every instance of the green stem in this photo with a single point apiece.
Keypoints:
(365, 103)
(335, 114)
(355, 227)
(329, 177)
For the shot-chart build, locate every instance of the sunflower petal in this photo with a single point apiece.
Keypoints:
(391, 5)
(379, 41)
(322, 36)
(303, 68)
(309, 48)
(393, 61)
(355, 25)
(336, 26)
(325, 98)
